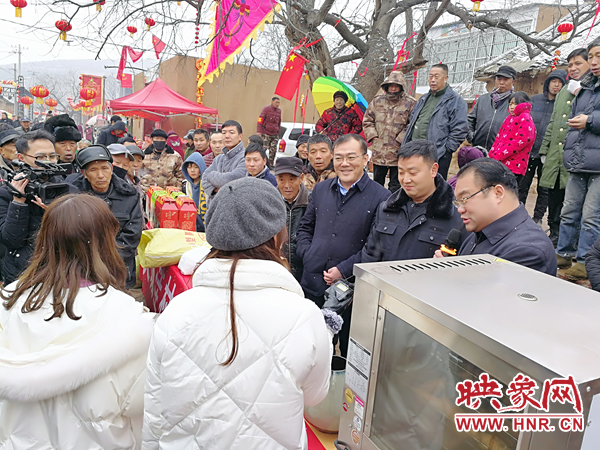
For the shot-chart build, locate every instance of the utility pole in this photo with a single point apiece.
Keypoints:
(15, 104)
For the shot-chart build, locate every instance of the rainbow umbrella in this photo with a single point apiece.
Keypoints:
(324, 88)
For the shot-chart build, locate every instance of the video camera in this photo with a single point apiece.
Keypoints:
(38, 180)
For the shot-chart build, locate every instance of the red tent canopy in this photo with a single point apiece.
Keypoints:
(158, 101)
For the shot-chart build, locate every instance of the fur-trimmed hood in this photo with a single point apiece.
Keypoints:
(43, 359)
(439, 206)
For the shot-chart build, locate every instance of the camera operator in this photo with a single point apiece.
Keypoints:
(97, 178)
(20, 218)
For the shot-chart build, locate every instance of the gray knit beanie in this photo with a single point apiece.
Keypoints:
(245, 213)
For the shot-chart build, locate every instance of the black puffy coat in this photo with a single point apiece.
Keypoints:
(394, 238)
(541, 110)
(19, 225)
(592, 265)
(485, 121)
(294, 214)
(581, 146)
(334, 229)
(124, 202)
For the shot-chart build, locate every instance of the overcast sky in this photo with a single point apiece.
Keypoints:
(39, 38)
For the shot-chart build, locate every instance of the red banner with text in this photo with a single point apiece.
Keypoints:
(95, 83)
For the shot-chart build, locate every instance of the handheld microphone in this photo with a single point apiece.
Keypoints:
(452, 244)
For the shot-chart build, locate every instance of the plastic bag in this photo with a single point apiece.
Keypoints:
(162, 247)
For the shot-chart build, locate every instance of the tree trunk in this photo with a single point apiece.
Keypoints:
(379, 56)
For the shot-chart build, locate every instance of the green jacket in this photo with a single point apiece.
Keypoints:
(554, 140)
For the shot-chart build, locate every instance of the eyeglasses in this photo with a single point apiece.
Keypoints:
(52, 157)
(351, 158)
(463, 201)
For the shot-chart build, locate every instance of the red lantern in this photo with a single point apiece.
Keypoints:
(88, 95)
(132, 30)
(19, 5)
(99, 4)
(63, 26)
(564, 29)
(1, 89)
(26, 100)
(149, 23)
(51, 102)
(476, 5)
(39, 92)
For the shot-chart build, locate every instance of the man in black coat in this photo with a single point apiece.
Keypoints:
(21, 216)
(97, 178)
(488, 203)
(337, 222)
(542, 106)
(113, 134)
(490, 110)
(289, 175)
(414, 222)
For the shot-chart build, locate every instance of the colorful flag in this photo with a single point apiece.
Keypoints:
(127, 80)
(158, 45)
(289, 80)
(236, 22)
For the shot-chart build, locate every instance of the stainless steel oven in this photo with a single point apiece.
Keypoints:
(420, 327)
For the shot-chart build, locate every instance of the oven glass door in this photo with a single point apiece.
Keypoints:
(415, 395)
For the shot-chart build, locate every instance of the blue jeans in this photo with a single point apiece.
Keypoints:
(580, 216)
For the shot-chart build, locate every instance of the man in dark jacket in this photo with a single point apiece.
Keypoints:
(555, 175)
(113, 134)
(440, 116)
(255, 159)
(268, 126)
(339, 119)
(414, 222)
(580, 223)
(542, 106)
(337, 223)
(21, 216)
(490, 110)
(290, 177)
(66, 136)
(487, 199)
(97, 178)
(25, 125)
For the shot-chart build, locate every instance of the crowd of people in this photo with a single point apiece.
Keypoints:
(282, 230)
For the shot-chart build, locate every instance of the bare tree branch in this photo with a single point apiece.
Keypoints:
(347, 58)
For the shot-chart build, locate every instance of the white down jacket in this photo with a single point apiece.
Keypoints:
(257, 402)
(74, 384)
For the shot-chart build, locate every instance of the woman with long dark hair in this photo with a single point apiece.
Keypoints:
(234, 360)
(73, 344)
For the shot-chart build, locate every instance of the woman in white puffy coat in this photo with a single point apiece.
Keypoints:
(234, 360)
(73, 345)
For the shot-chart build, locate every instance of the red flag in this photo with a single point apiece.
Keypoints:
(127, 80)
(158, 45)
(122, 63)
(135, 55)
(290, 76)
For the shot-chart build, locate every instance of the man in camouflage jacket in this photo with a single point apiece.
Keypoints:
(385, 124)
(162, 165)
(339, 120)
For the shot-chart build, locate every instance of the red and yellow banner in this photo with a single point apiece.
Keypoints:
(95, 83)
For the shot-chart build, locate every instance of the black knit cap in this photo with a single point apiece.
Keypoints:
(341, 94)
